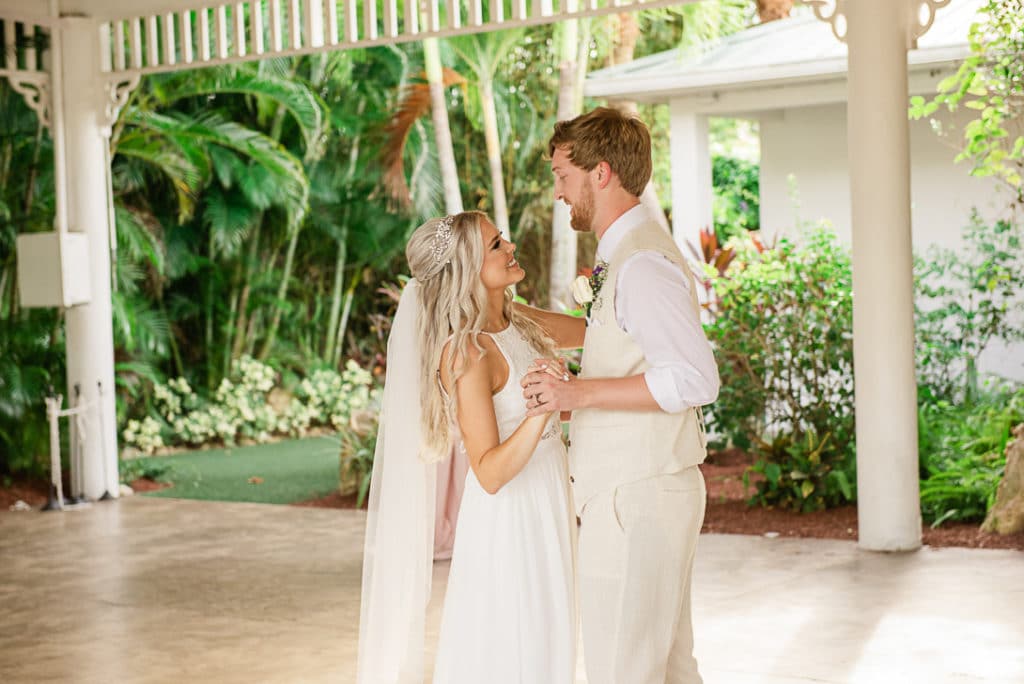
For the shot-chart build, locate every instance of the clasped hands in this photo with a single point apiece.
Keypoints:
(548, 386)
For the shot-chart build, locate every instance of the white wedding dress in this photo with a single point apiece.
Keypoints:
(510, 607)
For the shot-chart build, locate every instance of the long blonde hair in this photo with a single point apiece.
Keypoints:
(453, 304)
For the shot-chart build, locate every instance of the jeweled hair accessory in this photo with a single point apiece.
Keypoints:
(442, 240)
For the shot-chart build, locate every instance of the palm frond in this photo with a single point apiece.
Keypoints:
(297, 99)
(230, 220)
(414, 103)
(165, 154)
(138, 237)
(288, 171)
(138, 327)
(483, 52)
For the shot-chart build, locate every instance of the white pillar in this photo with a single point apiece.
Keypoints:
(691, 177)
(883, 312)
(89, 327)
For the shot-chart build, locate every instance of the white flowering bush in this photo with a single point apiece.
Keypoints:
(144, 435)
(337, 399)
(239, 409)
(297, 418)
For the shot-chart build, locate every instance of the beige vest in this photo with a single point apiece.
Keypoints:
(609, 448)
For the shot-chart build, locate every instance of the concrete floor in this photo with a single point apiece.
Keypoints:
(159, 590)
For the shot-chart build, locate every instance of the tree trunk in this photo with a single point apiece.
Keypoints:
(243, 304)
(564, 243)
(494, 156)
(336, 296)
(442, 130)
(208, 328)
(770, 10)
(622, 52)
(282, 291)
(346, 312)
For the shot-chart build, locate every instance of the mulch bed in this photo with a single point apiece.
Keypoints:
(332, 500)
(727, 513)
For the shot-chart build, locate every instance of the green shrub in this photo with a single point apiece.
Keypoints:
(157, 470)
(736, 202)
(782, 333)
(965, 299)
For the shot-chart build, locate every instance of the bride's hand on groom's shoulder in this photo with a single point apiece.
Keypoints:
(547, 387)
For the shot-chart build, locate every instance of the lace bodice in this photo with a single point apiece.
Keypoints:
(509, 404)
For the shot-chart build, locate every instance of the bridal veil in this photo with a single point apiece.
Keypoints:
(399, 546)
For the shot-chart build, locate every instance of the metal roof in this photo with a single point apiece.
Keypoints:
(798, 49)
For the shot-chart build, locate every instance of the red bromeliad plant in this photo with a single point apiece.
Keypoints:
(719, 256)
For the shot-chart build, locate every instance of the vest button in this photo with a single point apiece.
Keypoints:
(572, 479)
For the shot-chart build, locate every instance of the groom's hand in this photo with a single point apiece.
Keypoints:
(548, 386)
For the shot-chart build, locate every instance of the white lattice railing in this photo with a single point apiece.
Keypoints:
(251, 29)
(25, 62)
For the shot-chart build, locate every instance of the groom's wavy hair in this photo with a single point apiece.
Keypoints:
(453, 304)
(606, 134)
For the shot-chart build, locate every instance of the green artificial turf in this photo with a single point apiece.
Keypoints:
(279, 473)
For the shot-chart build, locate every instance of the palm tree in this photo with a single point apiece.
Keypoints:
(572, 67)
(31, 340)
(415, 101)
(483, 53)
(442, 129)
(182, 131)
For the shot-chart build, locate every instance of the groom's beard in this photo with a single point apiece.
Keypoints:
(581, 213)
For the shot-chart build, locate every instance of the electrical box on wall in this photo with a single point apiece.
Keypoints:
(53, 269)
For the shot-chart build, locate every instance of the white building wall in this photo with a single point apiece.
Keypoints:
(804, 179)
(809, 145)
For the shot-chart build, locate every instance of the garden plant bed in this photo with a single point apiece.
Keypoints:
(727, 513)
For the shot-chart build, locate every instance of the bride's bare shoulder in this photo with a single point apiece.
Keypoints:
(485, 358)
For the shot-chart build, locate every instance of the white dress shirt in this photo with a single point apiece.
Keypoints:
(652, 304)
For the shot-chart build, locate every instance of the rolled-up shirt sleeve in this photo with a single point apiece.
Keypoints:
(652, 302)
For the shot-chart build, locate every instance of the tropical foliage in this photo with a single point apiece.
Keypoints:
(967, 299)
(736, 204)
(31, 341)
(254, 221)
(963, 452)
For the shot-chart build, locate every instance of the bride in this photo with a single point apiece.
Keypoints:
(456, 354)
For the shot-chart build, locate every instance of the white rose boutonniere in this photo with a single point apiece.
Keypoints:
(586, 288)
(582, 292)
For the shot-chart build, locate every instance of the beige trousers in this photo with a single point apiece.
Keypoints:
(637, 546)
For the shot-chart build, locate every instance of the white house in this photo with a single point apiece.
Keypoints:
(791, 77)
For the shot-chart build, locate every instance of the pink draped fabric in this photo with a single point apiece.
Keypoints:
(451, 481)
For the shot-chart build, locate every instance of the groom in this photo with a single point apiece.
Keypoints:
(636, 435)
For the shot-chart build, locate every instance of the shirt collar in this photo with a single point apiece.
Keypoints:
(618, 230)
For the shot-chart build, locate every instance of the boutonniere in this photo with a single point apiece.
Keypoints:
(585, 289)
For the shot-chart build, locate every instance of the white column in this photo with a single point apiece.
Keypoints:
(883, 313)
(89, 327)
(691, 177)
